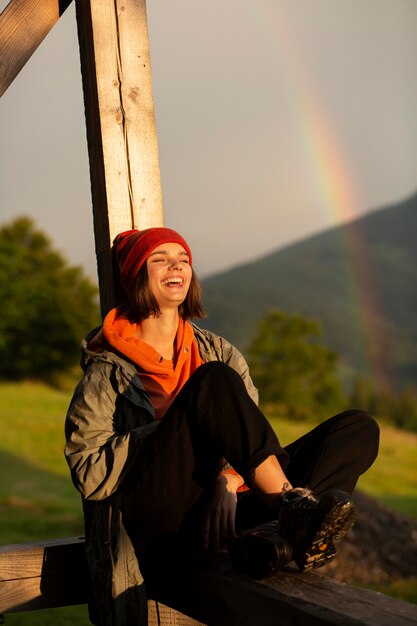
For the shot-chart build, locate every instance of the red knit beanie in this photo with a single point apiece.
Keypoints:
(132, 248)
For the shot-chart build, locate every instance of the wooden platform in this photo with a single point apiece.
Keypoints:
(48, 574)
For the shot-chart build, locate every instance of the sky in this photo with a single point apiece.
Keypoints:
(276, 119)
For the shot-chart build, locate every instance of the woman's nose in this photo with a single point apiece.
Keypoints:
(175, 263)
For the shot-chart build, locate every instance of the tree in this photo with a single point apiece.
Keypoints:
(394, 407)
(293, 372)
(47, 306)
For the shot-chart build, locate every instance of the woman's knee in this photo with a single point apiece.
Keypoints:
(358, 416)
(371, 430)
(365, 421)
(362, 426)
(218, 372)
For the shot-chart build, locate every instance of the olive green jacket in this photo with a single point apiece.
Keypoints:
(109, 414)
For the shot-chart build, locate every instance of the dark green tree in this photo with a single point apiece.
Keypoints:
(364, 395)
(294, 373)
(398, 408)
(404, 414)
(47, 306)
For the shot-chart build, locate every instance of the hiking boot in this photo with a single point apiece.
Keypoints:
(310, 525)
(260, 551)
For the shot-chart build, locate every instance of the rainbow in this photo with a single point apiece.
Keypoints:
(327, 165)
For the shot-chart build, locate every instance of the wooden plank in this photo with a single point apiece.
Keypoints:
(206, 588)
(139, 118)
(330, 601)
(209, 590)
(160, 614)
(42, 575)
(23, 26)
(121, 130)
(52, 573)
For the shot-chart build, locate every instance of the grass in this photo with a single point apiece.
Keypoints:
(37, 498)
(38, 501)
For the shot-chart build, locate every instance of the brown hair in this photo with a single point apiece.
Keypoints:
(143, 303)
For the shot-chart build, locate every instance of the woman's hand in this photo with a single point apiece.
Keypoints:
(219, 520)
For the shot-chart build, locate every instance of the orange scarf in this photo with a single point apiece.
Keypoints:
(161, 378)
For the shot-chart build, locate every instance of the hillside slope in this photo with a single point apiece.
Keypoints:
(381, 548)
(358, 280)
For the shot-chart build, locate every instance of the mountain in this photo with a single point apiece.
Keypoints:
(357, 280)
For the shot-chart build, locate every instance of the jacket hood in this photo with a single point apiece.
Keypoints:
(94, 349)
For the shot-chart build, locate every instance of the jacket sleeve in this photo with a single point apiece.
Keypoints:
(99, 457)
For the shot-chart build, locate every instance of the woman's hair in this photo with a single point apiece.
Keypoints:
(143, 303)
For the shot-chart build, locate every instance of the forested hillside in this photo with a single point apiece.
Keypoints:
(358, 280)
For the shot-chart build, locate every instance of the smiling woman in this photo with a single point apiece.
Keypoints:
(167, 445)
(168, 268)
(166, 279)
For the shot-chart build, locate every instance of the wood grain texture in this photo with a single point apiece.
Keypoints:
(49, 574)
(23, 26)
(121, 129)
(208, 589)
(42, 575)
(159, 614)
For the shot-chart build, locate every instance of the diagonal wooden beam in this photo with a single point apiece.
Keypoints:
(121, 130)
(24, 24)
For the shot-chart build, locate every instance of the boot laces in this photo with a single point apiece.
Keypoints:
(297, 506)
(299, 497)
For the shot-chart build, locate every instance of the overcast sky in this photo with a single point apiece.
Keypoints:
(276, 119)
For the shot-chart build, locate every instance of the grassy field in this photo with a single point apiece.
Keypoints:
(37, 499)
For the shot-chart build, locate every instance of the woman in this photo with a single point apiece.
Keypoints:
(165, 439)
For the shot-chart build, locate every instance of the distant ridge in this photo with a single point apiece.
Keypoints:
(359, 280)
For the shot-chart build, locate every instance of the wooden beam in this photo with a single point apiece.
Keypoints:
(53, 573)
(23, 26)
(42, 574)
(207, 588)
(121, 130)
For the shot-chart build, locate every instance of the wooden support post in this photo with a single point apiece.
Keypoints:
(121, 130)
(23, 26)
(126, 193)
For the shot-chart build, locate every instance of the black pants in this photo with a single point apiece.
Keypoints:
(212, 419)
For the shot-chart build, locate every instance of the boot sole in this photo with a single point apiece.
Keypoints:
(334, 518)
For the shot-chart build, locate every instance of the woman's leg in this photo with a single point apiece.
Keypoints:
(331, 456)
(335, 453)
(212, 418)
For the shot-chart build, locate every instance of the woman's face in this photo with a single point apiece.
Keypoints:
(169, 274)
